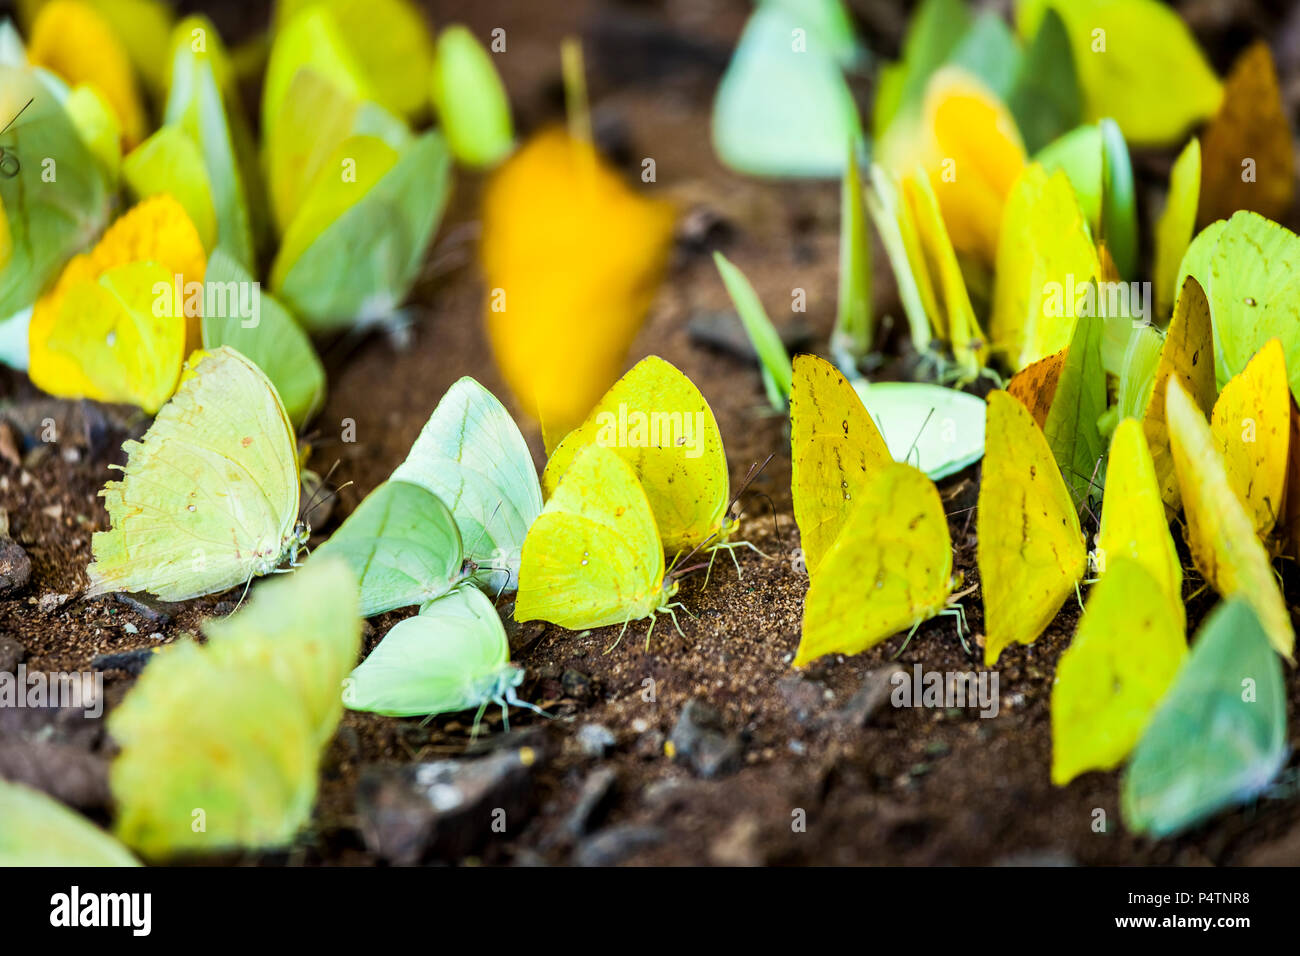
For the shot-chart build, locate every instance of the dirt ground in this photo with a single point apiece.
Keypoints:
(904, 786)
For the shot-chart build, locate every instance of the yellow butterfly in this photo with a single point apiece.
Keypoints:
(889, 569)
(117, 325)
(1123, 658)
(1044, 240)
(1220, 533)
(1031, 552)
(593, 556)
(72, 39)
(1187, 355)
(835, 450)
(1133, 522)
(657, 421)
(1251, 423)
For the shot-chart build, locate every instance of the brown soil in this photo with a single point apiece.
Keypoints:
(914, 786)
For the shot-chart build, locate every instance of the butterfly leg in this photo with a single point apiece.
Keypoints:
(673, 614)
(515, 701)
(907, 641)
(505, 712)
(713, 553)
(651, 629)
(1078, 594)
(478, 720)
(620, 635)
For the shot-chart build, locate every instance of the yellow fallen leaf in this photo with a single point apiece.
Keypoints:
(572, 258)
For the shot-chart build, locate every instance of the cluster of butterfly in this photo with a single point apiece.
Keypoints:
(1002, 179)
(216, 476)
(339, 194)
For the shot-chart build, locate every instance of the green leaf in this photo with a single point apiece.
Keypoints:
(853, 328)
(1219, 736)
(773, 358)
(1080, 400)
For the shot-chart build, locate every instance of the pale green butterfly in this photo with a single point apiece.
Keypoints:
(936, 429)
(451, 656)
(229, 735)
(267, 335)
(1252, 283)
(1218, 737)
(37, 830)
(196, 103)
(355, 245)
(403, 545)
(209, 497)
(49, 220)
(471, 454)
(783, 107)
(470, 99)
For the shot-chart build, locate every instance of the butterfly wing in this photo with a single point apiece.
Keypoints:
(593, 557)
(48, 221)
(37, 830)
(1219, 735)
(270, 337)
(245, 757)
(209, 498)
(305, 629)
(890, 567)
(1109, 680)
(835, 451)
(437, 662)
(1219, 532)
(1031, 551)
(657, 421)
(403, 546)
(939, 430)
(471, 455)
(1133, 523)
(1251, 423)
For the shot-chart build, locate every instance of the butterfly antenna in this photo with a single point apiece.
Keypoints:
(750, 476)
(17, 115)
(919, 432)
(483, 533)
(247, 585)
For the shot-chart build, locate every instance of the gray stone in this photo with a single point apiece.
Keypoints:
(593, 800)
(614, 845)
(595, 740)
(446, 809)
(701, 741)
(15, 566)
(12, 653)
(869, 698)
